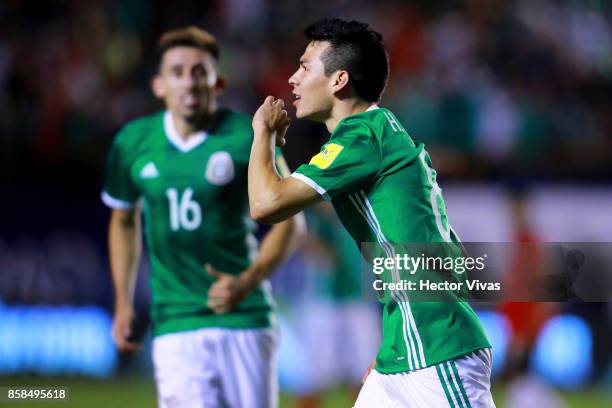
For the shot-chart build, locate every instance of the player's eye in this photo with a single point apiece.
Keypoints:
(176, 71)
(199, 71)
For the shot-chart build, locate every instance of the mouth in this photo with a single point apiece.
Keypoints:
(190, 100)
(296, 99)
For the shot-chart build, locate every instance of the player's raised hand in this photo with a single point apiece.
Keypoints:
(227, 291)
(272, 118)
(121, 330)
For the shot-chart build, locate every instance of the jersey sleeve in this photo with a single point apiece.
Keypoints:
(119, 191)
(350, 158)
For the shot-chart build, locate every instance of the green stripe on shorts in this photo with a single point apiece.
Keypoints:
(443, 382)
(465, 397)
(447, 371)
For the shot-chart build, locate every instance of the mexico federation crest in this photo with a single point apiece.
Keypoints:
(220, 168)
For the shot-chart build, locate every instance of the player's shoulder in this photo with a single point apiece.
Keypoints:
(236, 131)
(138, 129)
(233, 121)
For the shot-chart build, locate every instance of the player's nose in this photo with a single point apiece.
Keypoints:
(188, 81)
(293, 80)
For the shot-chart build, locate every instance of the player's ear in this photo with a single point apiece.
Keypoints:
(339, 81)
(157, 85)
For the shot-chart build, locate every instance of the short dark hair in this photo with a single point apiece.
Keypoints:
(190, 36)
(356, 48)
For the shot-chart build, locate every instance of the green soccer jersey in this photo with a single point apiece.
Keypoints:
(195, 206)
(384, 190)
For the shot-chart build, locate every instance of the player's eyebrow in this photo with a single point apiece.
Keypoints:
(198, 65)
(174, 67)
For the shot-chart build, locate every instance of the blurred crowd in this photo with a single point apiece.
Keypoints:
(495, 89)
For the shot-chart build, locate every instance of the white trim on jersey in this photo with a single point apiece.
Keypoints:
(410, 331)
(410, 349)
(312, 184)
(115, 203)
(372, 107)
(173, 136)
(406, 305)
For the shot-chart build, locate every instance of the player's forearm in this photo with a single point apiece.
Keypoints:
(125, 247)
(276, 246)
(264, 181)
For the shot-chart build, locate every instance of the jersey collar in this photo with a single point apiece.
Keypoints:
(372, 107)
(173, 136)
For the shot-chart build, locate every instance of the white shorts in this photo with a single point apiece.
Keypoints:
(214, 368)
(457, 383)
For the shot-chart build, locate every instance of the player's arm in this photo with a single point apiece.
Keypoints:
(124, 233)
(229, 290)
(276, 246)
(273, 199)
(125, 247)
(279, 242)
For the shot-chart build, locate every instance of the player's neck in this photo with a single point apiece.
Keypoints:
(344, 108)
(188, 128)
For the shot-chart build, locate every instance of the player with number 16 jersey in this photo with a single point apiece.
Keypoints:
(195, 212)
(185, 170)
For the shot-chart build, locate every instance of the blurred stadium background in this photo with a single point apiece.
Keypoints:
(509, 96)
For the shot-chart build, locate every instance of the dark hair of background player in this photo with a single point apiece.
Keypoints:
(357, 49)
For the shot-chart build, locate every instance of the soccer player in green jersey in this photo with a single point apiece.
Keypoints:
(214, 333)
(383, 188)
